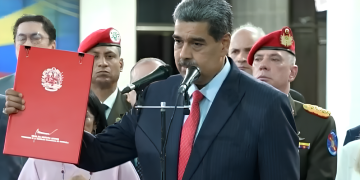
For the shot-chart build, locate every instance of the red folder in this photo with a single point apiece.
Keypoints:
(55, 86)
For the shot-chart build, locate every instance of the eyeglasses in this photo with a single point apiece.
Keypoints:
(35, 38)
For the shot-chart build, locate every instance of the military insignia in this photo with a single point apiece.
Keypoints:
(332, 143)
(316, 110)
(52, 79)
(114, 35)
(286, 38)
(300, 138)
(117, 119)
(304, 145)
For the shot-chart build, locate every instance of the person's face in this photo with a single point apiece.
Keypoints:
(240, 45)
(90, 125)
(32, 34)
(140, 71)
(107, 65)
(274, 67)
(194, 46)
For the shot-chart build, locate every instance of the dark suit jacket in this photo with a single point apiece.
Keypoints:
(352, 134)
(249, 133)
(6, 83)
(120, 107)
(316, 163)
(10, 166)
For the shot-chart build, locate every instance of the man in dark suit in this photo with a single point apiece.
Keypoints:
(10, 166)
(352, 134)
(30, 30)
(105, 45)
(273, 60)
(237, 127)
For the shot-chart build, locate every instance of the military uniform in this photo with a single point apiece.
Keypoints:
(108, 37)
(316, 128)
(120, 107)
(317, 141)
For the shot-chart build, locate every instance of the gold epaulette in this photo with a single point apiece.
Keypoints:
(316, 110)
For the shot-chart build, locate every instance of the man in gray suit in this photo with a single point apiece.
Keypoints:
(30, 30)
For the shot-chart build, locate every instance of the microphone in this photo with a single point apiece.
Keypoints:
(192, 74)
(161, 73)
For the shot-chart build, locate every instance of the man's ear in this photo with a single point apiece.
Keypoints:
(225, 43)
(53, 45)
(293, 73)
(121, 64)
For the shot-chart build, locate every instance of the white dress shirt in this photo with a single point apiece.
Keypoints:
(110, 102)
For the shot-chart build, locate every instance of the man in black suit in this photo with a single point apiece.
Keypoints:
(10, 166)
(29, 30)
(238, 127)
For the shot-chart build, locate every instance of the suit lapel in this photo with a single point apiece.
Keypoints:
(119, 109)
(172, 147)
(152, 128)
(227, 99)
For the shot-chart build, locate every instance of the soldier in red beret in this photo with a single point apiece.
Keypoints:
(104, 44)
(274, 62)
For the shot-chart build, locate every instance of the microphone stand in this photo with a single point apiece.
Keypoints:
(163, 108)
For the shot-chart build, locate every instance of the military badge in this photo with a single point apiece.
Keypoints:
(304, 145)
(300, 138)
(286, 38)
(332, 143)
(52, 79)
(318, 111)
(115, 35)
(117, 119)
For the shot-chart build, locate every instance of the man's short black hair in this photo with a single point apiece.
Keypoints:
(47, 25)
(217, 13)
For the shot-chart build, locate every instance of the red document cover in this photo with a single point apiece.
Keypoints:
(55, 86)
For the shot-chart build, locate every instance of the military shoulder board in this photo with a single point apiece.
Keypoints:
(316, 110)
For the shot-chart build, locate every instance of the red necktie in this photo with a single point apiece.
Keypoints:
(188, 133)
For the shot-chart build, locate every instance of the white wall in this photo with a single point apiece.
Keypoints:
(270, 15)
(343, 62)
(119, 14)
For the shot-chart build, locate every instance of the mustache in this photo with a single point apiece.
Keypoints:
(187, 63)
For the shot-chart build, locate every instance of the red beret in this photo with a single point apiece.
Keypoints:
(101, 37)
(277, 40)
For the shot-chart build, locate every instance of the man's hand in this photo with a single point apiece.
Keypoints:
(89, 122)
(14, 102)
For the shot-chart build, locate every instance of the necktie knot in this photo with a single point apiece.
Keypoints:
(197, 96)
(105, 107)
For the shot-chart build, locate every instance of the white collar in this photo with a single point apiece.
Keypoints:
(111, 99)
